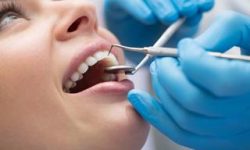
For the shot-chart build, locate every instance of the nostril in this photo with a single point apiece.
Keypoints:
(77, 23)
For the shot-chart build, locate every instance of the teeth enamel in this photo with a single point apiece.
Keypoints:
(76, 76)
(91, 61)
(74, 85)
(106, 53)
(112, 60)
(100, 55)
(83, 68)
(66, 90)
(109, 77)
(68, 84)
(81, 76)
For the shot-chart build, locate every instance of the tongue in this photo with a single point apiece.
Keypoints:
(91, 78)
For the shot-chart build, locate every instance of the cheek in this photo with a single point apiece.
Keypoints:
(24, 61)
(25, 70)
(26, 87)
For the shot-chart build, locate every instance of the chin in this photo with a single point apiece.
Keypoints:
(137, 131)
(127, 130)
(107, 114)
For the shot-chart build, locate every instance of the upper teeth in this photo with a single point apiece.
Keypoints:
(84, 66)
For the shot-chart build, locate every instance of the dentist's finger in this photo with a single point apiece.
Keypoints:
(164, 10)
(221, 77)
(193, 98)
(152, 111)
(140, 10)
(186, 8)
(230, 29)
(188, 120)
(179, 88)
(205, 5)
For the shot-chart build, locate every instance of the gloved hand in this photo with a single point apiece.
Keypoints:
(141, 22)
(203, 102)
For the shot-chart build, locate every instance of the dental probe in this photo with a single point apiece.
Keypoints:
(172, 52)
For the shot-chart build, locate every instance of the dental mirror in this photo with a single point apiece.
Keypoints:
(119, 69)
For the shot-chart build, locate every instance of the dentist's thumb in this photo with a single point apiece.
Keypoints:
(147, 106)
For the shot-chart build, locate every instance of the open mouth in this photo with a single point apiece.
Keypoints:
(91, 72)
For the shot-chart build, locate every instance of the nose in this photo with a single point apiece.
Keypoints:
(74, 20)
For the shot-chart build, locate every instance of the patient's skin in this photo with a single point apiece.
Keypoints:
(36, 50)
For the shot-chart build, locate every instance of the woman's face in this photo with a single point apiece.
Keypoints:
(45, 49)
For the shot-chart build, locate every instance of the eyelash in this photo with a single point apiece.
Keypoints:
(10, 7)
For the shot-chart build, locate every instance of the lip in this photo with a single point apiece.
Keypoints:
(109, 88)
(84, 53)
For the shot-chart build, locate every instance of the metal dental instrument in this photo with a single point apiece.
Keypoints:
(160, 42)
(172, 52)
(157, 50)
(162, 51)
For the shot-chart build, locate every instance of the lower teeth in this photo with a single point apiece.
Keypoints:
(93, 76)
(109, 77)
(105, 78)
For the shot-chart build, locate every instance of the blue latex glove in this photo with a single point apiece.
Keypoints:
(141, 22)
(203, 102)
